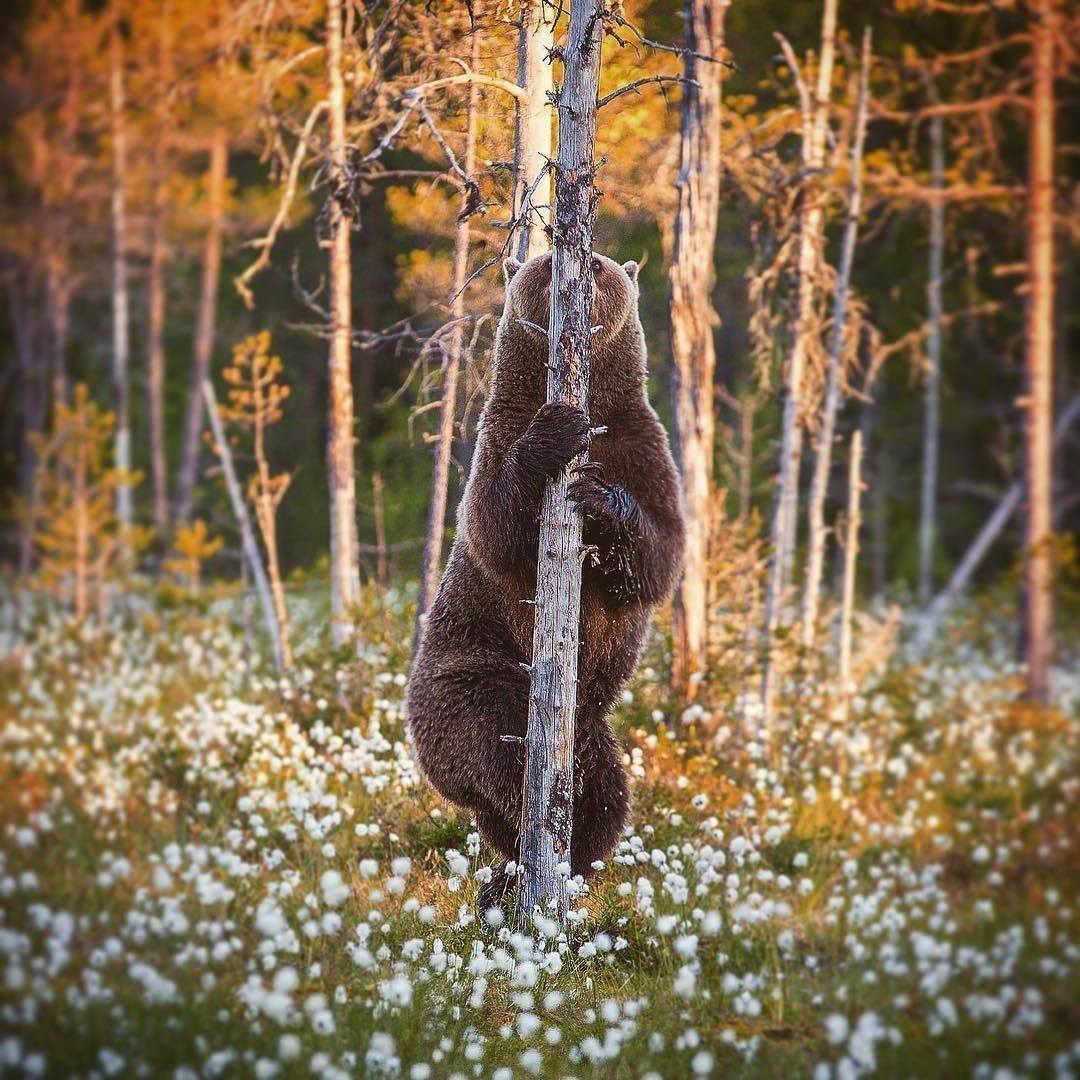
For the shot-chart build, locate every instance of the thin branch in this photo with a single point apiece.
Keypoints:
(633, 88)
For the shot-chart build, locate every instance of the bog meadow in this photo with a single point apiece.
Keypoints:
(255, 258)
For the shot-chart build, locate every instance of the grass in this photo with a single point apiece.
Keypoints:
(207, 871)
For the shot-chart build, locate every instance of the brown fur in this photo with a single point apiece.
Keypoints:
(468, 685)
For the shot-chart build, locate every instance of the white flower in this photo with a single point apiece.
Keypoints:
(836, 1028)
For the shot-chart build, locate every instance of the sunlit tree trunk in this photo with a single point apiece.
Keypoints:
(191, 450)
(440, 478)
(536, 39)
(693, 321)
(120, 307)
(340, 450)
(932, 386)
(549, 754)
(1037, 629)
(155, 335)
(815, 560)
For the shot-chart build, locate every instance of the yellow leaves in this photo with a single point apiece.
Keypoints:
(193, 545)
(255, 395)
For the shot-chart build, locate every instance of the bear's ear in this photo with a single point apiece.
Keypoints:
(510, 267)
(631, 269)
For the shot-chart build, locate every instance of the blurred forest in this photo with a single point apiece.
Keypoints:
(170, 189)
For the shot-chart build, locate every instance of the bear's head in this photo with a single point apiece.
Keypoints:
(615, 301)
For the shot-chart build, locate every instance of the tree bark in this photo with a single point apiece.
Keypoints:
(851, 555)
(693, 321)
(532, 204)
(120, 305)
(341, 435)
(155, 335)
(819, 486)
(785, 513)
(440, 479)
(932, 389)
(205, 328)
(549, 757)
(1037, 618)
(247, 533)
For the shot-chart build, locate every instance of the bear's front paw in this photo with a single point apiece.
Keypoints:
(556, 435)
(608, 504)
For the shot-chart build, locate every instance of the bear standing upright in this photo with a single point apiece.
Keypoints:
(469, 685)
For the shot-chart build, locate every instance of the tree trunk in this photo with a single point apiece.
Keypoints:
(440, 479)
(243, 520)
(819, 487)
(786, 504)
(693, 321)
(1037, 615)
(155, 335)
(851, 555)
(532, 198)
(932, 410)
(205, 328)
(120, 309)
(341, 438)
(549, 758)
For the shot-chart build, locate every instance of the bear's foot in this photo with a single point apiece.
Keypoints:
(498, 893)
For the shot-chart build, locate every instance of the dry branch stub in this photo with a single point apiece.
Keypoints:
(549, 754)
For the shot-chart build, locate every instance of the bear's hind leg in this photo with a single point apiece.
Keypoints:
(602, 805)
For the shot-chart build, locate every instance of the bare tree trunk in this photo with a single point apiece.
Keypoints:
(851, 555)
(747, 411)
(785, 513)
(247, 534)
(532, 197)
(155, 336)
(932, 411)
(341, 437)
(997, 521)
(79, 497)
(440, 478)
(191, 449)
(693, 322)
(120, 311)
(382, 550)
(1038, 610)
(819, 487)
(549, 757)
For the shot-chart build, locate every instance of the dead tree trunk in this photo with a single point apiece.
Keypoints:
(932, 389)
(693, 321)
(851, 555)
(191, 449)
(243, 520)
(532, 196)
(1037, 618)
(440, 479)
(997, 521)
(155, 334)
(809, 259)
(340, 442)
(786, 505)
(815, 560)
(549, 756)
(120, 307)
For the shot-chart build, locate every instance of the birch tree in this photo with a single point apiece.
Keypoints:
(693, 320)
(932, 385)
(532, 195)
(206, 323)
(340, 443)
(549, 757)
(815, 559)
(1037, 617)
(120, 304)
(786, 504)
(440, 480)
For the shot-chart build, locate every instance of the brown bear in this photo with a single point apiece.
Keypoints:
(469, 683)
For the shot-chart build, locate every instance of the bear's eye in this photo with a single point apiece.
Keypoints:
(596, 266)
